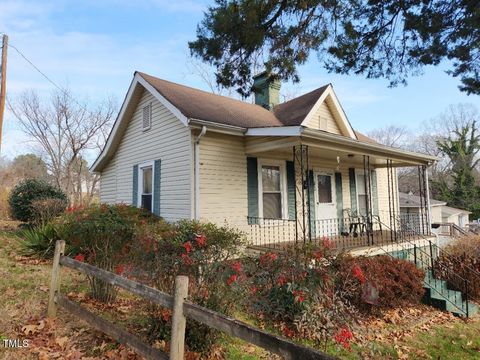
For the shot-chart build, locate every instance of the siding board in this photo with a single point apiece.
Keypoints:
(168, 140)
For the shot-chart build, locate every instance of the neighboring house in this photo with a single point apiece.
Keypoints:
(292, 171)
(440, 213)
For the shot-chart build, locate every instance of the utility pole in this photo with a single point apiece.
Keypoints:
(3, 85)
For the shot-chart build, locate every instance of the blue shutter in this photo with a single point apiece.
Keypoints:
(252, 190)
(135, 186)
(374, 193)
(156, 187)
(311, 202)
(291, 190)
(339, 200)
(353, 191)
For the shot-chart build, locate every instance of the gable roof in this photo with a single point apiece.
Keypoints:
(410, 200)
(194, 105)
(202, 105)
(294, 111)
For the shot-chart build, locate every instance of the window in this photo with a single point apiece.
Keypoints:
(146, 187)
(361, 193)
(147, 117)
(272, 178)
(324, 189)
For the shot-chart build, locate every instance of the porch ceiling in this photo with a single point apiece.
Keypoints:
(333, 149)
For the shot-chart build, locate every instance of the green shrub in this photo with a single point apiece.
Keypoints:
(103, 235)
(460, 262)
(26, 192)
(381, 282)
(203, 252)
(39, 241)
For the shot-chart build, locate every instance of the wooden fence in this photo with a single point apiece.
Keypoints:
(182, 309)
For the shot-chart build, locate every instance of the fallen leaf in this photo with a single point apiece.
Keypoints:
(29, 329)
(62, 341)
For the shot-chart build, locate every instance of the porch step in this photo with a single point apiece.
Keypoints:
(437, 292)
(440, 296)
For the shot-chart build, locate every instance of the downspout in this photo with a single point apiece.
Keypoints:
(196, 155)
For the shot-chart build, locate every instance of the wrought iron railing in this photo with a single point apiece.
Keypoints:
(341, 233)
(271, 233)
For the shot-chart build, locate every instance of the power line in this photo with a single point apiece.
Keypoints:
(63, 90)
(37, 69)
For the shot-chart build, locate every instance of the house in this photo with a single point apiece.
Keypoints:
(440, 213)
(295, 171)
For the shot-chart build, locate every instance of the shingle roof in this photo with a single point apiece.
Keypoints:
(293, 112)
(410, 200)
(449, 211)
(202, 105)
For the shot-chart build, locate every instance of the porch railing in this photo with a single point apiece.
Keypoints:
(342, 233)
(272, 233)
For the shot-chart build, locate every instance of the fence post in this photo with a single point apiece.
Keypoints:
(177, 342)
(55, 280)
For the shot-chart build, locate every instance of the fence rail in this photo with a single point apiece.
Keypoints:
(182, 310)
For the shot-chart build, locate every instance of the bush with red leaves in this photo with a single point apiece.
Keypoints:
(381, 281)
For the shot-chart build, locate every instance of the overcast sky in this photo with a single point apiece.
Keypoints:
(94, 46)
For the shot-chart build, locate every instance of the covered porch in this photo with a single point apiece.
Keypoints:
(324, 188)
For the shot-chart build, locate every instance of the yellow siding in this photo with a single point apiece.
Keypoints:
(167, 139)
(324, 120)
(223, 180)
(223, 185)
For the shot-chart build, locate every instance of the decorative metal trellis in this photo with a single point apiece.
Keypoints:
(303, 231)
(423, 194)
(367, 175)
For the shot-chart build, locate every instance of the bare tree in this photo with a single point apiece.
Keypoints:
(436, 130)
(65, 131)
(394, 136)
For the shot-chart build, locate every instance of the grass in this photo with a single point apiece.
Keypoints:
(460, 340)
(24, 294)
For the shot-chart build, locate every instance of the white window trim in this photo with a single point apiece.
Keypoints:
(333, 185)
(150, 123)
(140, 182)
(283, 185)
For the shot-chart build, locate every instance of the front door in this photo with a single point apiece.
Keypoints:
(326, 207)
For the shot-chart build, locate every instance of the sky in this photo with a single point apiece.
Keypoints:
(94, 46)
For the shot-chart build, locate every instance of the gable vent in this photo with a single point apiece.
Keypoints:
(147, 116)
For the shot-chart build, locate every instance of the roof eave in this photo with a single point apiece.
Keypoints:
(320, 135)
(217, 127)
